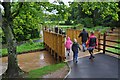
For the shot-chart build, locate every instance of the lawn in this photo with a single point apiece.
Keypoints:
(37, 73)
(115, 50)
(26, 47)
(100, 28)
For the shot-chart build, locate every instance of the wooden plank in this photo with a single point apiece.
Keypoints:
(59, 47)
(112, 46)
(63, 48)
(115, 35)
(113, 41)
(79, 39)
(104, 42)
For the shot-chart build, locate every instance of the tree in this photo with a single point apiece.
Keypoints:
(99, 12)
(107, 11)
(13, 69)
(19, 19)
(27, 22)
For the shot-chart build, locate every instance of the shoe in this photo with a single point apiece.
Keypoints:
(76, 61)
(90, 58)
(93, 56)
(83, 50)
(68, 54)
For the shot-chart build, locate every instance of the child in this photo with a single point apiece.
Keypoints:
(92, 43)
(75, 48)
(68, 44)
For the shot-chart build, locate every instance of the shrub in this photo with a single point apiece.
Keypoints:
(79, 26)
(88, 22)
(31, 41)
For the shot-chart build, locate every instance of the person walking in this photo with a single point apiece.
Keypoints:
(68, 45)
(91, 44)
(75, 49)
(84, 35)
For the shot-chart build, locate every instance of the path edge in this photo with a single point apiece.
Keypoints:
(68, 72)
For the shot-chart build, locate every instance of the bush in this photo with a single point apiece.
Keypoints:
(88, 22)
(79, 26)
(31, 41)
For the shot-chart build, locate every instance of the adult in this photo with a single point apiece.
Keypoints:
(92, 43)
(56, 29)
(84, 35)
(60, 31)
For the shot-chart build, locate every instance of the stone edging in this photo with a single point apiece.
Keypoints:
(68, 72)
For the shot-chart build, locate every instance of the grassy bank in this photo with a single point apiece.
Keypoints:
(37, 73)
(25, 47)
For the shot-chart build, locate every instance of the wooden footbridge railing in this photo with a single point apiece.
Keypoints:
(54, 43)
(73, 33)
(109, 41)
(105, 41)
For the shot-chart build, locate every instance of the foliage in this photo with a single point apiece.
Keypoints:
(31, 41)
(79, 26)
(25, 47)
(37, 73)
(99, 13)
(26, 25)
(88, 22)
(105, 9)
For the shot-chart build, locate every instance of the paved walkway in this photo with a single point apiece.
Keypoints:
(103, 66)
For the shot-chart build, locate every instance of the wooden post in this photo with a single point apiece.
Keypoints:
(60, 59)
(56, 56)
(104, 42)
(98, 41)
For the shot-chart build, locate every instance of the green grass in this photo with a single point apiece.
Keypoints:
(101, 28)
(25, 47)
(37, 73)
(65, 26)
(115, 50)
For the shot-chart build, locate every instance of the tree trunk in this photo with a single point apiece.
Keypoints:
(13, 69)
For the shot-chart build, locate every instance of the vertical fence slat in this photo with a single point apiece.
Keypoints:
(98, 42)
(63, 48)
(104, 42)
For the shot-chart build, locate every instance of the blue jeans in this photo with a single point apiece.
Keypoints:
(75, 56)
(83, 45)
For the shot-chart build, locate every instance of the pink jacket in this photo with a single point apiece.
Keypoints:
(68, 43)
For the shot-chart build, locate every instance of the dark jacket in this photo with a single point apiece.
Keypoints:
(92, 41)
(56, 29)
(75, 47)
(84, 36)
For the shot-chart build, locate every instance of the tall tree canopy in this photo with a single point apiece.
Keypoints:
(96, 12)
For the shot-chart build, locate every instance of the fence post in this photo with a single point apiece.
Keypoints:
(98, 41)
(104, 42)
